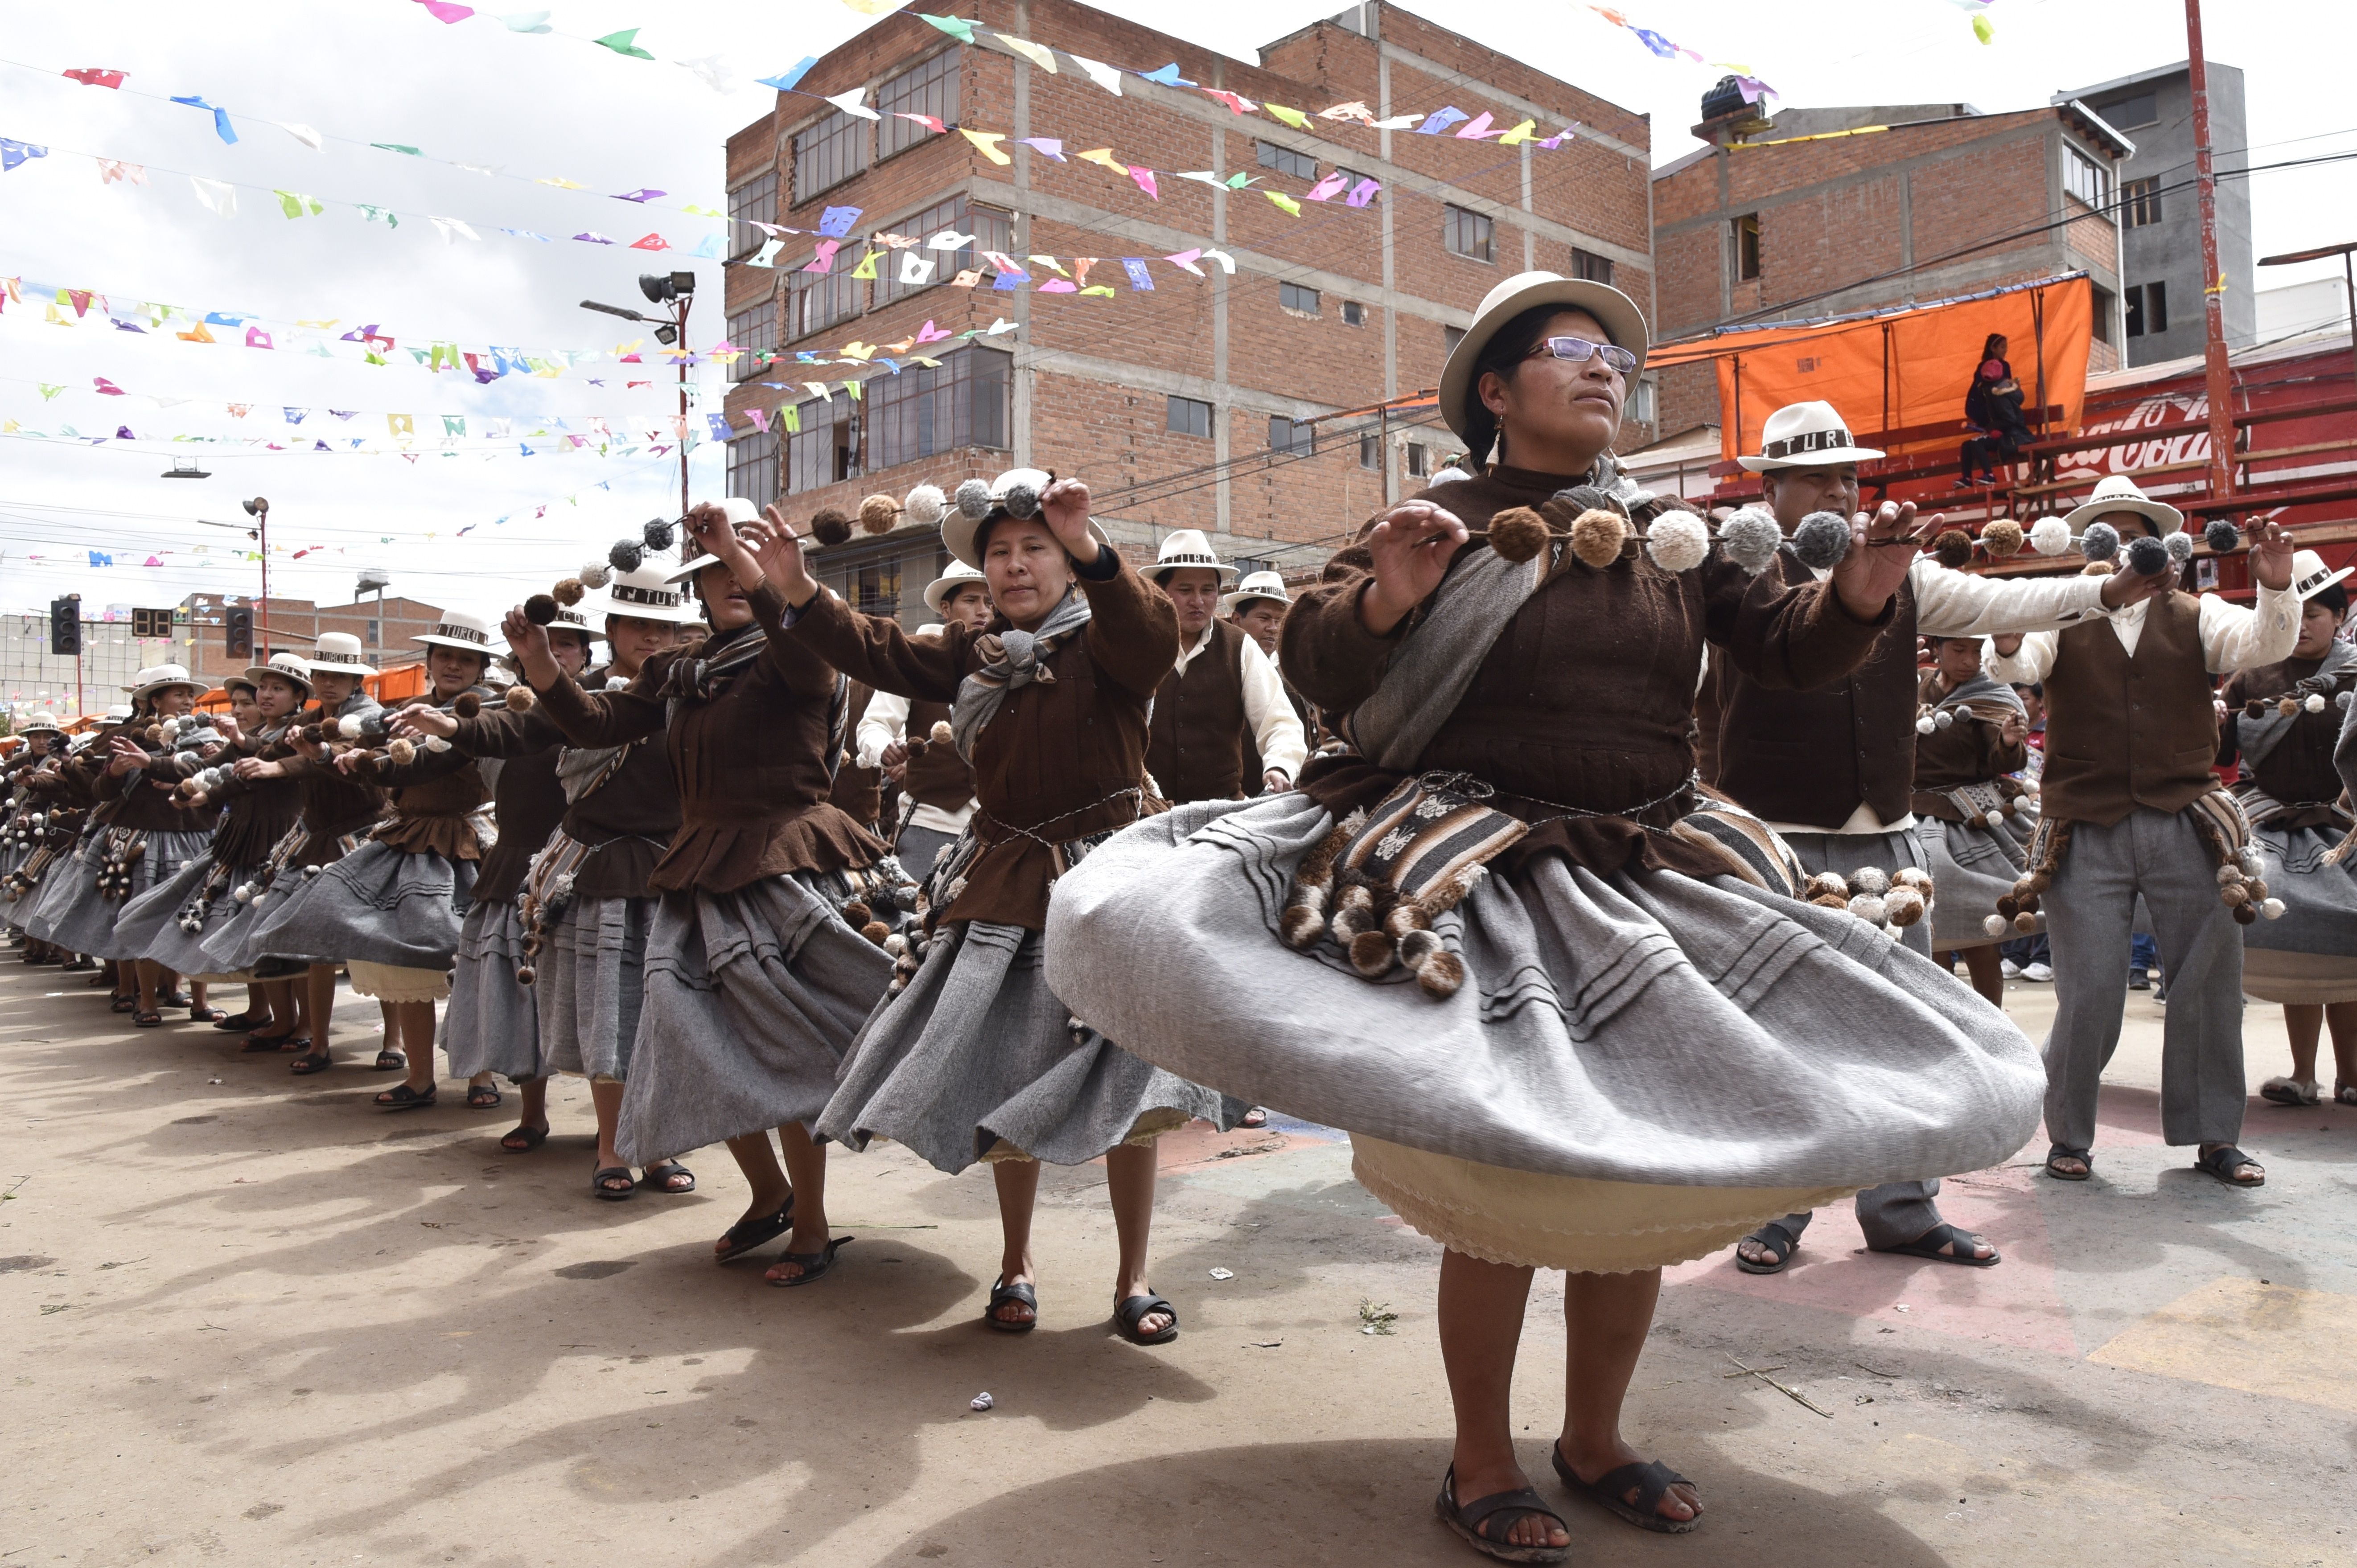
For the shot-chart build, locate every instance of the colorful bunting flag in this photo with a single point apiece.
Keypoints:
(93, 76)
(619, 42)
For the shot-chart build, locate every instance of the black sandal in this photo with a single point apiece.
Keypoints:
(400, 1096)
(310, 1062)
(482, 1097)
(661, 1175)
(234, 1022)
(2086, 1160)
(1134, 1310)
(176, 999)
(746, 1234)
(1001, 1294)
(815, 1266)
(390, 1062)
(2224, 1161)
(205, 1015)
(1946, 1244)
(532, 1137)
(1782, 1246)
(599, 1177)
(264, 1045)
(147, 1020)
(1653, 1480)
(123, 1004)
(1468, 1519)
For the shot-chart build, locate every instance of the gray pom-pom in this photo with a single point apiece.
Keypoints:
(2147, 556)
(1678, 541)
(1751, 539)
(2221, 535)
(626, 555)
(2344, 700)
(2100, 543)
(657, 533)
(925, 506)
(2179, 546)
(973, 500)
(1020, 501)
(1822, 540)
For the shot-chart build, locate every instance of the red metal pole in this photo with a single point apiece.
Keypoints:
(2214, 376)
(684, 305)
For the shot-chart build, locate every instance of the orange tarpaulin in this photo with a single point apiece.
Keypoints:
(1899, 368)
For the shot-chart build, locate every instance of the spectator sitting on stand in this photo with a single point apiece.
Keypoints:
(1993, 408)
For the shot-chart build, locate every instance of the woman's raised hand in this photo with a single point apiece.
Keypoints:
(1412, 547)
(1064, 508)
(775, 548)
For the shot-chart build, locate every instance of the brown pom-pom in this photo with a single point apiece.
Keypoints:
(1405, 917)
(2244, 913)
(2234, 894)
(2026, 924)
(519, 698)
(1826, 883)
(941, 733)
(1913, 876)
(402, 752)
(856, 913)
(2007, 906)
(2258, 890)
(1596, 536)
(154, 734)
(878, 514)
(1902, 905)
(569, 591)
(1953, 548)
(467, 704)
(540, 609)
(1373, 952)
(1304, 920)
(1354, 913)
(1518, 534)
(1441, 975)
(1830, 901)
(876, 931)
(2002, 537)
(2287, 706)
(2099, 568)
(829, 526)
(2254, 709)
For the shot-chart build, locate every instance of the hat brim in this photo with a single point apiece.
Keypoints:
(336, 666)
(1230, 602)
(433, 641)
(1832, 457)
(2167, 518)
(940, 588)
(253, 672)
(1159, 573)
(958, 530)
(1614, 311)
(598, 608)
(2316, 588)
(155, 686)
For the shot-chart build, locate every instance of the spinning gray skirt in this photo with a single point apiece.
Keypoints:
(751, 1000)
(977, 1060)
(80, 920)
(2310, 956)
(591, 986)
(493, 1024)
(1636, 1070)
(378, 905)
(1972, 865)
(153, 918)
(61, 891)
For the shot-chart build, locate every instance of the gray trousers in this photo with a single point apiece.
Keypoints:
(1896, 1212)
(2088, 914)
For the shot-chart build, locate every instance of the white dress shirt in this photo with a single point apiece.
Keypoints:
(1275, 726)
(2234, 636)
(887, 721)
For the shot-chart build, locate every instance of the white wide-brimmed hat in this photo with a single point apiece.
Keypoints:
(956, 576)
(291, 667)
(573, 618)
(1024, 488)
(1614, 311)
(460, 629)
(156, 677)
(693, 557)
(647, 594)
(1806, 436)
(2310, 577)
(2117, 493)
(40, 724)
(118, 713)
(1186, 547)
(1256, 585)
(337, 653)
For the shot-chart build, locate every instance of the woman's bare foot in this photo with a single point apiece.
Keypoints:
(1153, 1323)
(1681, 1502)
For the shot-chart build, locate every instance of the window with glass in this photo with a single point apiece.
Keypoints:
(1419, 460)
(2140, 203)
(992, 229)
(1291, 434)
(930, 88)
(876, 589)
(1639, 406)
(819, 300)
(2085, 179)
(825, 450)
(2130, 113)
(755, 330)
(1469, 233)
(755, 202)
(1284, 160)
(1353, 314)
(928, 410)
(1746, 247)
(1450, 337)
(1589, 265)
(1189, 416)
(1370, 451)
(828, 153)
(1293, 296)
(753, 467)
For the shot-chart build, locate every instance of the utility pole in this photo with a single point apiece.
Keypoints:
(2214, 377)
(681, 303)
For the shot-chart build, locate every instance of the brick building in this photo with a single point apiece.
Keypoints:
(1822, 211)
(1203, 404)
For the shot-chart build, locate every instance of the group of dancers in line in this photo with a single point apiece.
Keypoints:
(1581, 855)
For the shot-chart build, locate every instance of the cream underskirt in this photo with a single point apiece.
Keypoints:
(2302, 979)
(390, 983)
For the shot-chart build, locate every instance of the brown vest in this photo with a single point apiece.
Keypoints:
(1813, 757)
(937, 775)
(1195, 745)
(858, 792)
(2122, 733)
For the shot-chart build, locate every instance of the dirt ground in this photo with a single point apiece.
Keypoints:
(398, 1344)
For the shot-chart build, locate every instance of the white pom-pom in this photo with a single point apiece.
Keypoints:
(2049, 536)
(1943, 719)
(2249, 862)
(973, 500)
(1867, 907)
(260, 899)
(2272, 909)
(925, 506)
(349, 727)
(1924, 724)
(244, 894)
(1869, 879)
(594, 573)
(1995, 925)
(1677, 542)
(2314, 702)
(1994, 820)
(1751, 538)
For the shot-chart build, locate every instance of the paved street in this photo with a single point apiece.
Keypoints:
(253, 1320)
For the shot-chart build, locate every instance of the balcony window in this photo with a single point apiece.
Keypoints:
(924, 411)
(829, 153)
(928, 89)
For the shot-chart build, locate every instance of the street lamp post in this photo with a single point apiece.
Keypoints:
(258, 509)
(678, 291)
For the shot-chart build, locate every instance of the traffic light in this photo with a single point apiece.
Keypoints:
(237, 621)
(65, 626)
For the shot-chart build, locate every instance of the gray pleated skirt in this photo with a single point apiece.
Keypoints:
(1845, 854)
(1646, 1033)
(2310, 956)
(154, 919)
(40, 911)
(751, 999)
(85, 922)
(1973, 865)
(591, 986)
(978, 1059)
(377, 904)
(493, 1024)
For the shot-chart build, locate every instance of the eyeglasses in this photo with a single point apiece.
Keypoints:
(1579, 349)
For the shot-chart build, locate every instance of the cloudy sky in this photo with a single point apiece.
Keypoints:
(524, 107)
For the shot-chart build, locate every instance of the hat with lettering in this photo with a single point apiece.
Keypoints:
(1806, 436)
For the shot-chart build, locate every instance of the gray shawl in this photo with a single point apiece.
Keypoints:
(2258, 736)
(1012, 659)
